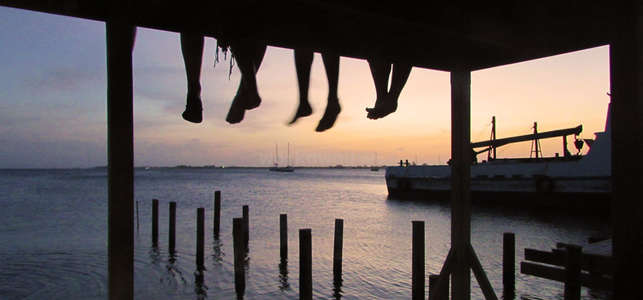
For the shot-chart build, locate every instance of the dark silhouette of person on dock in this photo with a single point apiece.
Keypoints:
(386, 101)
(303, 63)
(247, 53)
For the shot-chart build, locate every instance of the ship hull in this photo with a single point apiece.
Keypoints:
(585, 195)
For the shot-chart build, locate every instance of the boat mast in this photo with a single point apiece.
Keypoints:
(535, 145)
(492, 147)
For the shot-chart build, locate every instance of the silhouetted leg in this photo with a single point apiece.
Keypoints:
(331, 64)
(259, 50)
(192, 49)
(400, 75)
(303, 62)
(247, 97)
(380, 70)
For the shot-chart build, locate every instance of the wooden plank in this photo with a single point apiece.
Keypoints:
(590, 262)
(558, 274)
(542, 271)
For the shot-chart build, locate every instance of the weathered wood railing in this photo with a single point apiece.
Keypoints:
(569, 265)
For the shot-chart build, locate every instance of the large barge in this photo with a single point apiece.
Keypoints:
(569, 181)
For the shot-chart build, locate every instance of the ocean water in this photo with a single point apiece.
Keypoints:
(53, 235)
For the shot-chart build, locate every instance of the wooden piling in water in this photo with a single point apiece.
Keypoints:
(417, 272)
(237, 245)
(337, 251)
(305, 265)
(509, 262)
(217, 214)
(155, 222)
(433, 284)
(246, 227)
(572, 272)
(199, 237)
(172, 229)
(283, 236)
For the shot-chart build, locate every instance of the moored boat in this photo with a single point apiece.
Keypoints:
(569, 181)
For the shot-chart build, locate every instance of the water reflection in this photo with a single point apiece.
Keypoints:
(173, 272)
(283, 275)
(337, 287)
(199, 288)
(217, 251)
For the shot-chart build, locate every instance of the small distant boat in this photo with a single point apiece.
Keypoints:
(277, 168)
(374, 167)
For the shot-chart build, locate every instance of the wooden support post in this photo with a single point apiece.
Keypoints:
(172, 229)
(417, 253)
(305, 265)
(200, 215)
(217, 214)
(509, 263)
(626, 77)
(246, 228)
(572, 272)
(136, 215)
(155, 223)
(239, 256)
(461, 154)
(337, 250)
(283, 236)
(433, 285)
(481, 276)
(120, 160)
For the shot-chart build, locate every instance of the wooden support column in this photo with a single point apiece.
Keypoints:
(626, 76)
(460, 182)
(120, 160)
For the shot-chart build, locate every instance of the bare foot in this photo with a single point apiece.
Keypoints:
(237, 110)
(193, 110)
(382, 109)
(304, 110)
(250, 95)
(330, 116)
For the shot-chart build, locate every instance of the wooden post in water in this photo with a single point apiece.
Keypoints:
(172, 231)
(199, 237)
(217, 213)
(509, 263)
(283, 236)
(237, 244)
(433, 284)
(572, 272)
(337, 251)
(305, 265)
(417, 274)
(155, 222)
(246, 227)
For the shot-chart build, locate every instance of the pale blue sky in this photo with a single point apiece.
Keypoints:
(52, 103)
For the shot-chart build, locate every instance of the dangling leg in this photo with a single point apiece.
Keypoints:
(331, 64)
(259, 50)
(400, 75)
(245, 54)
(303, 62)
(192, 49)
(380, 71)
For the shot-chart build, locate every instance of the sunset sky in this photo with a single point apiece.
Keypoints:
(53, 104)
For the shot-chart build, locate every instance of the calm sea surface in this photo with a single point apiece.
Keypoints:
(53, 235)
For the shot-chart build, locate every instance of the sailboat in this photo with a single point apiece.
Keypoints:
(374, 167)
(277, 168)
